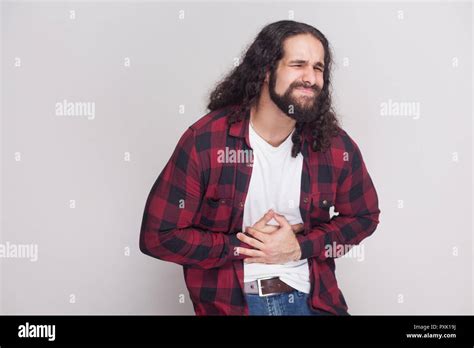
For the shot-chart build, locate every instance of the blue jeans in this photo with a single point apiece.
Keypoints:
(289, 303)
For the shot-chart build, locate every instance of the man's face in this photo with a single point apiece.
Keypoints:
(298, 80)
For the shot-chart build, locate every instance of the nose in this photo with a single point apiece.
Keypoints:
(309, 77)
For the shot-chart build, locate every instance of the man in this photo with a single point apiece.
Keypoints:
(244, 202)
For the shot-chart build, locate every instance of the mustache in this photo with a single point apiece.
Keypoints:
(315, 88)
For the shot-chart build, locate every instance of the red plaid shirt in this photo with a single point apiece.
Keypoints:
(195, 209)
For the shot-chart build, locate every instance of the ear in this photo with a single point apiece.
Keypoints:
(267, 77)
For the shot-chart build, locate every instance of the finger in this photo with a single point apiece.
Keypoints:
(282, 221)
(263, 237)
(250, 252)
(264, 220)
(268, 228)
(250, 241)
(297, 227)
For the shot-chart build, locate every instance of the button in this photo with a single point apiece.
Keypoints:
(305, 200)
(325, 202)
(222, 201)
(241, 204)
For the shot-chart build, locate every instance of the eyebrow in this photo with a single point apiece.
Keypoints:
(301, 61)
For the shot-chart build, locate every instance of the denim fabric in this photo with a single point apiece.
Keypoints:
(290, 303)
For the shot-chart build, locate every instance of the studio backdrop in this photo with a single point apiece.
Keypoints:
(95, 96)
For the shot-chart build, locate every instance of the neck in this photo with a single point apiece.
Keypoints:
(270, 122)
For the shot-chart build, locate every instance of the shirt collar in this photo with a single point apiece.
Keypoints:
(240, 129)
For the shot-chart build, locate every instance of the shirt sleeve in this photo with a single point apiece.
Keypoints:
(167, 230)
(357, 204)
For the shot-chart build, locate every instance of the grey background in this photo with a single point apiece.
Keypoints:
(409, 265)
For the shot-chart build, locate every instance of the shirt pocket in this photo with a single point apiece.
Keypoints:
(216, 212)
(321, 202)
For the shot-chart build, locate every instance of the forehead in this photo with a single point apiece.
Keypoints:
(303, 46)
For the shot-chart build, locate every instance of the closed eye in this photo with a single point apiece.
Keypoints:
(300, 65)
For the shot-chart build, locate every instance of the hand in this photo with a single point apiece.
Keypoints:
(261, 225)
(297, 228)
(277, 247)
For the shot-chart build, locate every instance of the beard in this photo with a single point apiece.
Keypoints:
(302, 108)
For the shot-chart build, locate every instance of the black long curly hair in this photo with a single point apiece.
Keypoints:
(243, 84)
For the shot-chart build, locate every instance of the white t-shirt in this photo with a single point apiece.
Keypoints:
(275, 184)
